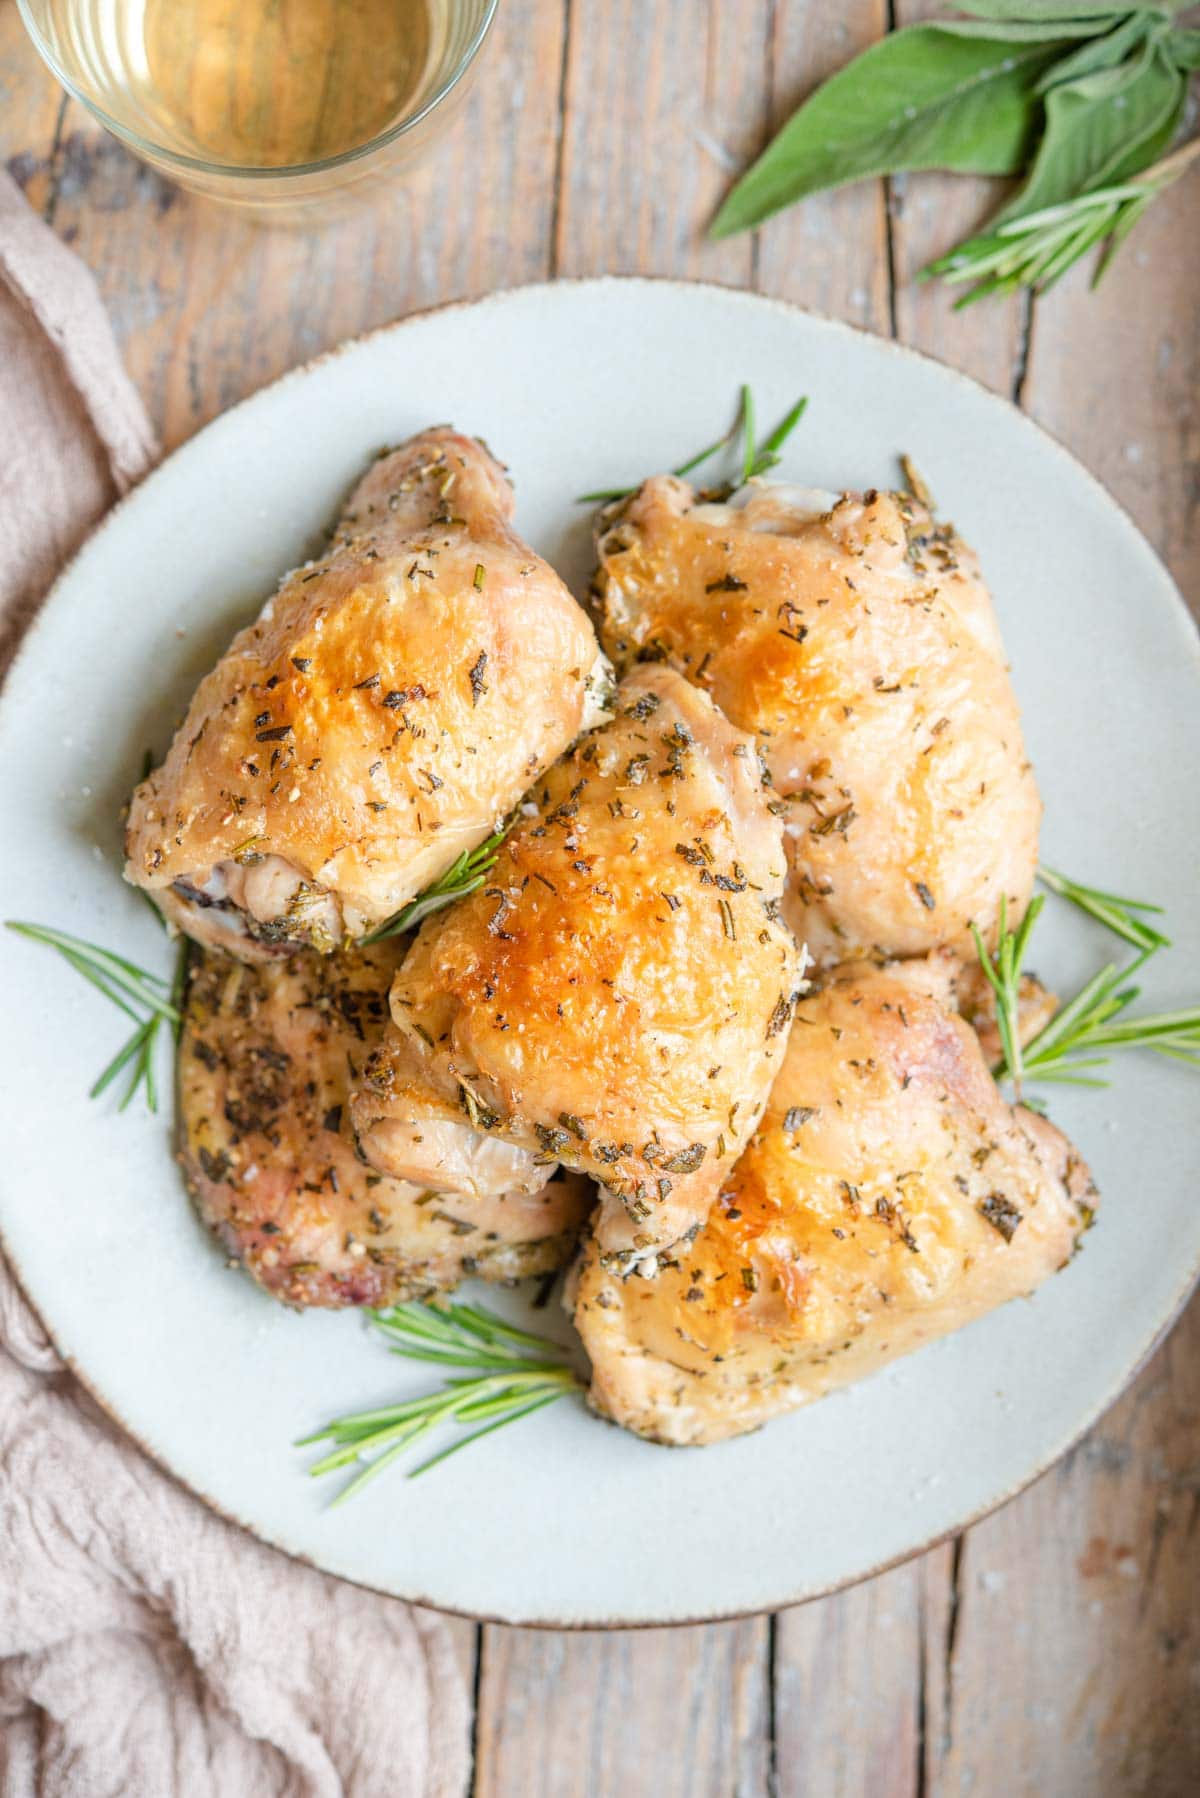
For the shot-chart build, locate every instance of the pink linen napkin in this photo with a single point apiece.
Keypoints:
(147, 1648)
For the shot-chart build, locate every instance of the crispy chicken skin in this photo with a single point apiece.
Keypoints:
(855, 638)
(889, 1196)
(391, 703)
(265, 1066)
(617, 997)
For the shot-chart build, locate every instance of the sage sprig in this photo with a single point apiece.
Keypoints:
(1082, 100)
(508, 1374)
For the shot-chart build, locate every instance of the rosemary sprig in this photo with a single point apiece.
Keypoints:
(150, 1000)
(1003, 971)
(1036, 249)
(1081, 99)
(1083, 1034)
(1116, 914)
(510, 1374)
(466, 875)
(756, 459)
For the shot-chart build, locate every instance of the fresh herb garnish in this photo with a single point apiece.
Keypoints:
(1083, 1034)
(1081, 99)
(1003, 971)
(510, 1374)
(1035, 249)
(1121, 916)
(756, 459)
(150, 1000)
(466, 875)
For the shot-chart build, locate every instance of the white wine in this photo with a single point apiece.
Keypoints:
(261, 84)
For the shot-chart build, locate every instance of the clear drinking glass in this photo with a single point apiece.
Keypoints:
(289, 107)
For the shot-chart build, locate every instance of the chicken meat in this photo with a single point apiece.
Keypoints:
(266, 1061)
(387, 709)
(855, 639)
(616, 998)
(889, 1196)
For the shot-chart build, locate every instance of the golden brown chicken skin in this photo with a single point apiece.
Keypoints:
(855, 638)
(388, 707)
(265, 1066)
(616, 998)
(889, 1196)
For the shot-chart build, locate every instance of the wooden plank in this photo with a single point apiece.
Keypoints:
(848, 1714)
(31, 106)
(208, 306)
(1115, 375)
(1076, 1656)
(681, 1713)
(831, 253)
(1074, 1659)
(860, 1678)
(662, 103)
(930, 213)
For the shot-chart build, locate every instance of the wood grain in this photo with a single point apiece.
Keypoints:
(661, 102)
(831, 254)
(1053, 1649)
(681, 1713)
(187, 284)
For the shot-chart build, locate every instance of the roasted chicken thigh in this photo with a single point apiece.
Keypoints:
(265, 1066)
(616, 998)
(389, 706)
(855, 639)
(889, 1196)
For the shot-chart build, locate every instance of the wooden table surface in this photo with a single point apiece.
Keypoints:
(1053, 1649)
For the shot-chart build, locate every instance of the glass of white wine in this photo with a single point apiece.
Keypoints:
(289, 107)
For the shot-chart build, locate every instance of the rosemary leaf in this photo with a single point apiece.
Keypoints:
(1116, 914)
(464, 876)
(756, 459)
(1083, 1034)
(150, 1000)
(511, 1374)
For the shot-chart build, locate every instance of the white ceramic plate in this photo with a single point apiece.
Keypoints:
(561, 1519)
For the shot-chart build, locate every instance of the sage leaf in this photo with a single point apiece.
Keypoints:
(945, 96)
(1106, 51)
(1059, 12)
(1183, 47)
(1100, 130)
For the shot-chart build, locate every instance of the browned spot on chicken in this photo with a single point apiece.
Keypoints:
(888, 1197)
(855, 638)
(629, 1015)
(345, 750)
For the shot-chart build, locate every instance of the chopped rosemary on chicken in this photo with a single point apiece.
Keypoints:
(510, 1374)
(756, 459)
(1116, 914)
(466, 875)
(151, 1000)
(1083, 1034)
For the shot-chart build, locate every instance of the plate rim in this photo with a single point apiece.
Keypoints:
(576, 1626)
(753, 300)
